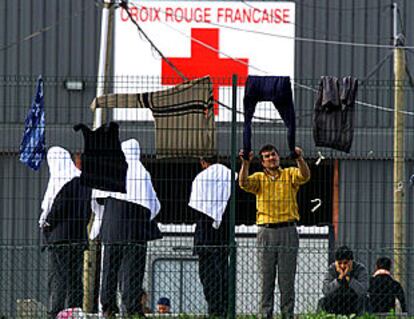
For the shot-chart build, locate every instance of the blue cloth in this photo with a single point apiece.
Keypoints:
(276, 89)
(32, 147)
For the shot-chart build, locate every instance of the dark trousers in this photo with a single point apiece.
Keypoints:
(275, 89)
(65, 277)
(124, 263)
(213, 271)
(342, 302)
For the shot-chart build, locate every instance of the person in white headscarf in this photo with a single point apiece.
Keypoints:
(125, 226)
(210, 193)
(65, 215)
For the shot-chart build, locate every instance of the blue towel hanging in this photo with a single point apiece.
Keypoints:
(32, 147)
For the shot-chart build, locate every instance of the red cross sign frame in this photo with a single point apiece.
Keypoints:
(216, 38)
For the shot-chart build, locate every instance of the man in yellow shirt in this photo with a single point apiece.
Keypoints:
(277, 213)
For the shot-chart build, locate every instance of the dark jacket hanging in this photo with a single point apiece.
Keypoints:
(333, 121)
(103, 163)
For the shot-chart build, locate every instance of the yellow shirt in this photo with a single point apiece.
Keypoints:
(276, 197)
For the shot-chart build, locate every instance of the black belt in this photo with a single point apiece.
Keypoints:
(278, 225)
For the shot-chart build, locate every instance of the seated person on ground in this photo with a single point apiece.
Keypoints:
(345, 285)
(163, 305)
(384, 290)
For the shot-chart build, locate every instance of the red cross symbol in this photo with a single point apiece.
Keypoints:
(205, 60)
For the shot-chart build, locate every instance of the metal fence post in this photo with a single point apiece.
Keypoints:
(232, 241)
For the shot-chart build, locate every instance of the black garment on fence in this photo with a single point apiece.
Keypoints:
(276, 89)
(210, 245)
(69, 215)
(333, 120)
(103, 163)
(383, 290)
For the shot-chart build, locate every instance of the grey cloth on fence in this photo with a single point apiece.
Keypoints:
(184, 118)
(333, 120)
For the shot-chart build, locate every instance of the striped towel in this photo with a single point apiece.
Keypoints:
(184, 118)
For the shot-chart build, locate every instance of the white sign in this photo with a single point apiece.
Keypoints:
(213, 38)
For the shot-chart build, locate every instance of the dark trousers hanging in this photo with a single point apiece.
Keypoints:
(65, 277)
(276, 89)
(124, 263)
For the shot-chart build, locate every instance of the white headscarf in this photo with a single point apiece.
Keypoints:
(62, 170)
(138, 181)
(210, 192)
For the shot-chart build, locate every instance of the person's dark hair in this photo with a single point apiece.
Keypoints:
(164, 301)
(267, 148)
(212, 159)
(384, 263)
(344, 253)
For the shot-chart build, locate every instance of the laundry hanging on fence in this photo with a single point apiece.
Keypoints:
(333, 120)
(139, 189)
(276, 89)
(103, 163)
(184, 118)
(32, 147)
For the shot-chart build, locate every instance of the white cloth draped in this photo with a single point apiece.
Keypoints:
(210, 192)
(138, 185)
(62, 170)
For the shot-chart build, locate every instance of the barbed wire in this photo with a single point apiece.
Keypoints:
(378, 107)
(302, 4)
(370, 105)
(302, 39)
(320, 31)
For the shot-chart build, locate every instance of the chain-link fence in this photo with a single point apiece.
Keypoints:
(199, 247)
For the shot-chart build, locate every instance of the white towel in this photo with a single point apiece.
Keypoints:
(62, 170)
(210, 192)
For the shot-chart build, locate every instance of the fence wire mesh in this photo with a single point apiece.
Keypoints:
(152, 252)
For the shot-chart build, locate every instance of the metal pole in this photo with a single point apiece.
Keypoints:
(104, 59)
(99, 116)
(232, 242)
(399, 205)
